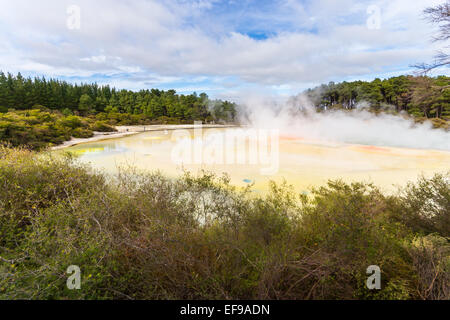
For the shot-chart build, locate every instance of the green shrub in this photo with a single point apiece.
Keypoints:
(82, 133)
(102, 126)
(67, 112)
(425, 206)
(439, 123)
(431, 260)
(145, 236)
(72, 122)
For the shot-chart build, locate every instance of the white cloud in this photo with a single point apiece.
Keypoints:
(317, 42)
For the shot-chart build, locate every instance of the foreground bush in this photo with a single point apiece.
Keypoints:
(144, 236)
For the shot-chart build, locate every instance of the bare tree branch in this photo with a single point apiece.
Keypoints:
(439, 15)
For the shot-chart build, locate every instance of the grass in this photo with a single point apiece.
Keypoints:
(144, 236)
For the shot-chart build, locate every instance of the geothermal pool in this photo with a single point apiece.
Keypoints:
(303, 163)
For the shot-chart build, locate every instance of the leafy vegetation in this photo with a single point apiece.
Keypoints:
(38, 113)
(421, 97)
(40, 127)
(144, 236)
(19, 93)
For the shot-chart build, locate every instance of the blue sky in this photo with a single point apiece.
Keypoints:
(225, 48)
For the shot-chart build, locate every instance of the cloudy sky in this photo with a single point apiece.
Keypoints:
(219, 47)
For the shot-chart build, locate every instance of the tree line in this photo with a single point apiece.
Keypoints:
(419, 96)
(20, 93)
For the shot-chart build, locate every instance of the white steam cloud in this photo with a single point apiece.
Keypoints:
(298, 118)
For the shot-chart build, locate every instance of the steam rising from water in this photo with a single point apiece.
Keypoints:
(298, 118)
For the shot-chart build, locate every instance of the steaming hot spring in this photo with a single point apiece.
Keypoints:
(387, 151)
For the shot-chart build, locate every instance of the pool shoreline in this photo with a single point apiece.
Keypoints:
(303, 163)
(124, 131)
